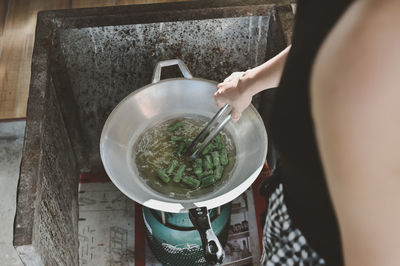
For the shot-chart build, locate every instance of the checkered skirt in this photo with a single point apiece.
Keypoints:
(283, 244)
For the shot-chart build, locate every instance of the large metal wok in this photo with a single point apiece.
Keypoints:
(167, 99)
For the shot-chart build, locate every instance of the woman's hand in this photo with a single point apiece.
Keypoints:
(238, 89)
(232, 91)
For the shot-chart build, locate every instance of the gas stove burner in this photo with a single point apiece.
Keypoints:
(176, 242)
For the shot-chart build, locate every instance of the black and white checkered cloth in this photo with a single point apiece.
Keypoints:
(282, 243)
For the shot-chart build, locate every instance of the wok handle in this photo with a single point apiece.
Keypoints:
(212, 248)
(157, 70)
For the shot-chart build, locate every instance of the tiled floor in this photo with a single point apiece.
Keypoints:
(11, 142)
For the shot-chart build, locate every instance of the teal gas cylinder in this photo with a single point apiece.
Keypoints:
(175, 241)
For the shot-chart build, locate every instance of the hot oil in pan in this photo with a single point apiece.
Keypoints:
(155, 150)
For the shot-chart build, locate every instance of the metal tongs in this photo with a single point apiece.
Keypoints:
(209, 132)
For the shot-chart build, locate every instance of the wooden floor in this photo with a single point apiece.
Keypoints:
(17, 32)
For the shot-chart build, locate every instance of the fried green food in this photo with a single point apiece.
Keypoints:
(218, 141)
(197, 166)
(205, 173)
(176, 169)
(162, 175)
(175, 126)
(178, 176)
(172, 165)
(207, 162)
(207, 149)
(208, 181)
(224, 157)
(192, 182)
(218, 172)
(215, 157)
(181, 147)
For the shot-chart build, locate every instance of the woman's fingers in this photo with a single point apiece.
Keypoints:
(228, 79)
(227, 93)
(233, 76)
(231, 80)
(222, 84)
(220, 103)
(223, 88)
(235, 115)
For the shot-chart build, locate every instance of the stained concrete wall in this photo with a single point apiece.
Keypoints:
(45, 227)
(105, 64)
(50, 238)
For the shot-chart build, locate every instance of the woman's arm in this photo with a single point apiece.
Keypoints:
(356, 109)
(239, 88)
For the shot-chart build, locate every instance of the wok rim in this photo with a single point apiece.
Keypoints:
(181, 205)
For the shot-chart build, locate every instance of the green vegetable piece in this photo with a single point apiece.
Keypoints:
(197, 166)
(162, 175)
(218, 141)
(181, 147)
(208, 181)
(176, 138)
(215, 157)
(207, 149)
(224, 157)
(218, 172)
(206, 173)
(192, 182)
(175, 126)
(207, 162)
(179, 173)
(172, 165)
